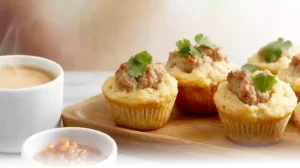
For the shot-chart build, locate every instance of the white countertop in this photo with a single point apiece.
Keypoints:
(79, 86)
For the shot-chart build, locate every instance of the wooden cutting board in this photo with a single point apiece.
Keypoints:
(183, 135)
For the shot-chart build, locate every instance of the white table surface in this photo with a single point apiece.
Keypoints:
(79, 86)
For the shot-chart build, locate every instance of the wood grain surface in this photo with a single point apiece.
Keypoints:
(183, 136)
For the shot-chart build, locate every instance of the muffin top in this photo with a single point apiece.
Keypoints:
(291, 74)
(140, 79)
(203, 64)
(255, 95)
(129, 81)
(275, 55)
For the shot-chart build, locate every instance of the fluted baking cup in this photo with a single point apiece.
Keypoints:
(196, 100)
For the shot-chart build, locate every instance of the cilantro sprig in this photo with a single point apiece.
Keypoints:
(185, 48)
(250, 68)
(202, 40)
(264, 82)
(273, 51)
(138, 64)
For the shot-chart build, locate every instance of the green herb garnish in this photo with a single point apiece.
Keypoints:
(264, 82)
(138, 64)
(185, 48)
(202, 40)
(273, 51)
(195, 51)
(250, 68)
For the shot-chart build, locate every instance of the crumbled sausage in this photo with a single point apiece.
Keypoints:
(241, 83)
(151, 78)
(192, 62)
(295, 63)
(186, 64)
(123, 80)
(216, 54)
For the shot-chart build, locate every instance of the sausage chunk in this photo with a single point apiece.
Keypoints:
(241, 83)
(123, 80)
(216, 54)
(151, 78)
(295, 64)
(185, 64)
(192, 62)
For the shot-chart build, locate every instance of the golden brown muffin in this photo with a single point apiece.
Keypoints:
(141, 94)
(296, 117)
(198, 69)
(291, 75)
(254, 107)
(274, 56)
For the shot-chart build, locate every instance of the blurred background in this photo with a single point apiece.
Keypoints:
(100, 34)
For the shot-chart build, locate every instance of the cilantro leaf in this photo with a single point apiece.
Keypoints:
(264, 82)
(204, 41)
(287, 44)
(195, 51)
(250, 68)
(138, 64)
(273, 51)
(137, 71)
(183, 43)
(143, 57)
(185, 48)
(280, 39)
(271, 54)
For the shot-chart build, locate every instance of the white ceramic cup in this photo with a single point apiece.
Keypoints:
(96, 139)
(26, 111)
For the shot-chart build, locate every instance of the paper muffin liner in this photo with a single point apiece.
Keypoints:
(292, 119)
(296, 118)
(196, 100)
(144, 117)
(259, 132)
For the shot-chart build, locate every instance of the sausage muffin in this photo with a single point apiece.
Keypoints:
(198, 69)
(274, 56)
(291, 75)
(254, 108)
(141, 94)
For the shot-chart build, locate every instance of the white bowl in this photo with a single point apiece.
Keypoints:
(104, 143)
